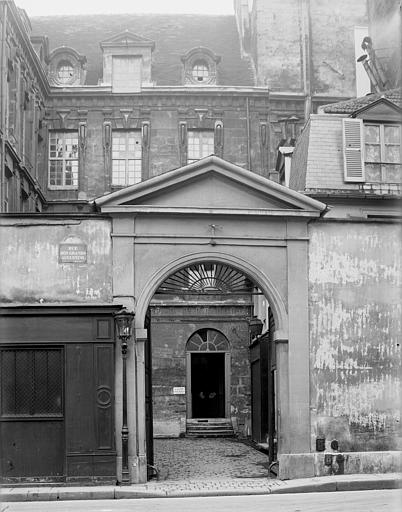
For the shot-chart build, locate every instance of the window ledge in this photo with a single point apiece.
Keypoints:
(61, 187)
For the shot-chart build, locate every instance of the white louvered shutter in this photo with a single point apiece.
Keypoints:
(353, 149)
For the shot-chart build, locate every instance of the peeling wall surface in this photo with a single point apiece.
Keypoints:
(33, 269)
(355, 324)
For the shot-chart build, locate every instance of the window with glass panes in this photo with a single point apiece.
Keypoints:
(200, 71)
(200, 143)
(63, 159)
(126, 157)
(382, 153)
(65, 72)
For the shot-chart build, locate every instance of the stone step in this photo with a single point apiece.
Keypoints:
(209, 427)
(211, 433)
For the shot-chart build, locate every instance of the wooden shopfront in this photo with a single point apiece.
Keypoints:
(57, 394)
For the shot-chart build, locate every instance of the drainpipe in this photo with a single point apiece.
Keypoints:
(3, 97)
(307, 71)
(248, 133)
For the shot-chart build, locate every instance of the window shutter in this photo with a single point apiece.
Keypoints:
(353, 150)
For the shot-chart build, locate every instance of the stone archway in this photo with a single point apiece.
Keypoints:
(214, 210)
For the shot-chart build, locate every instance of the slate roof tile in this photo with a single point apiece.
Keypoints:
(350, 106)
(173, 34)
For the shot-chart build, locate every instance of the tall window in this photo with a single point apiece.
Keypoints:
(382, 153)
(200, 143)
(126, 157)
(63, 160)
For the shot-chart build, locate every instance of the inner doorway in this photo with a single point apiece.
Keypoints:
(208, 375)
(208, 385)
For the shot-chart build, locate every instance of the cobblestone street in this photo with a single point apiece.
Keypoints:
(184, 459)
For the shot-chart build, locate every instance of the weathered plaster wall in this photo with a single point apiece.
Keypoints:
(280, 44)
(171, 329)
(355, 324)
(332, 45)
(385, 30)
(31, 272)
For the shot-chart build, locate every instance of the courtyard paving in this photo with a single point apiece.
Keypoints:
(204, 459)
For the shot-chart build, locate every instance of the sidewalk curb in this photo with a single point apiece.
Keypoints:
(139, 491)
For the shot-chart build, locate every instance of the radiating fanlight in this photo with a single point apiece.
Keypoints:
(204, 278)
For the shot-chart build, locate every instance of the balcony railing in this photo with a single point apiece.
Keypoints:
(378, 188)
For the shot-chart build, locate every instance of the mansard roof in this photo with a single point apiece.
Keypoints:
(353, 105)
(174, 35)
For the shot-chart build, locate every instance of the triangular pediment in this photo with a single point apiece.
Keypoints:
(211, 183)
(127, 38)
(380, 110)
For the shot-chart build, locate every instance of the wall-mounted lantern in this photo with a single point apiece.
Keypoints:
(256, 326)
(124, 321)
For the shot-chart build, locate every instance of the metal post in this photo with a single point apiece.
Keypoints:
(124, 320)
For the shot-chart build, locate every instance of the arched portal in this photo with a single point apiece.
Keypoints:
(198, 353)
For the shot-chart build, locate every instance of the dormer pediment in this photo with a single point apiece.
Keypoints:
(380, 110)
(127, 38)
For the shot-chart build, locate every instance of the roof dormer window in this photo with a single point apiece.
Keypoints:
(127, 59)
(67, 67)
(199, 67)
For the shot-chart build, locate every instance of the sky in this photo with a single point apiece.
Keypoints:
(52, 7)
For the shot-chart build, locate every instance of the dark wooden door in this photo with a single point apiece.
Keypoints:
(208, 385)
(260, 389)
(32, 413)
(90, 443)
(148, 396)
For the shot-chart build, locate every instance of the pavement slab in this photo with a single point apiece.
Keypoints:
(205, 467)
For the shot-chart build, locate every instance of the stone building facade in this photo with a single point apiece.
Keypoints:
(140, 168)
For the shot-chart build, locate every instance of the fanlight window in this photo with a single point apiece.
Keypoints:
(204, 278)
(207, 340)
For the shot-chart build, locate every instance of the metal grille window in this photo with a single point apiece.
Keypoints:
(63, 160)
(31, 382)
(382, 153)
(126, 158)
(200, 143)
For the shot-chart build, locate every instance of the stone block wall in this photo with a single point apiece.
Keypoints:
(171, 328)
